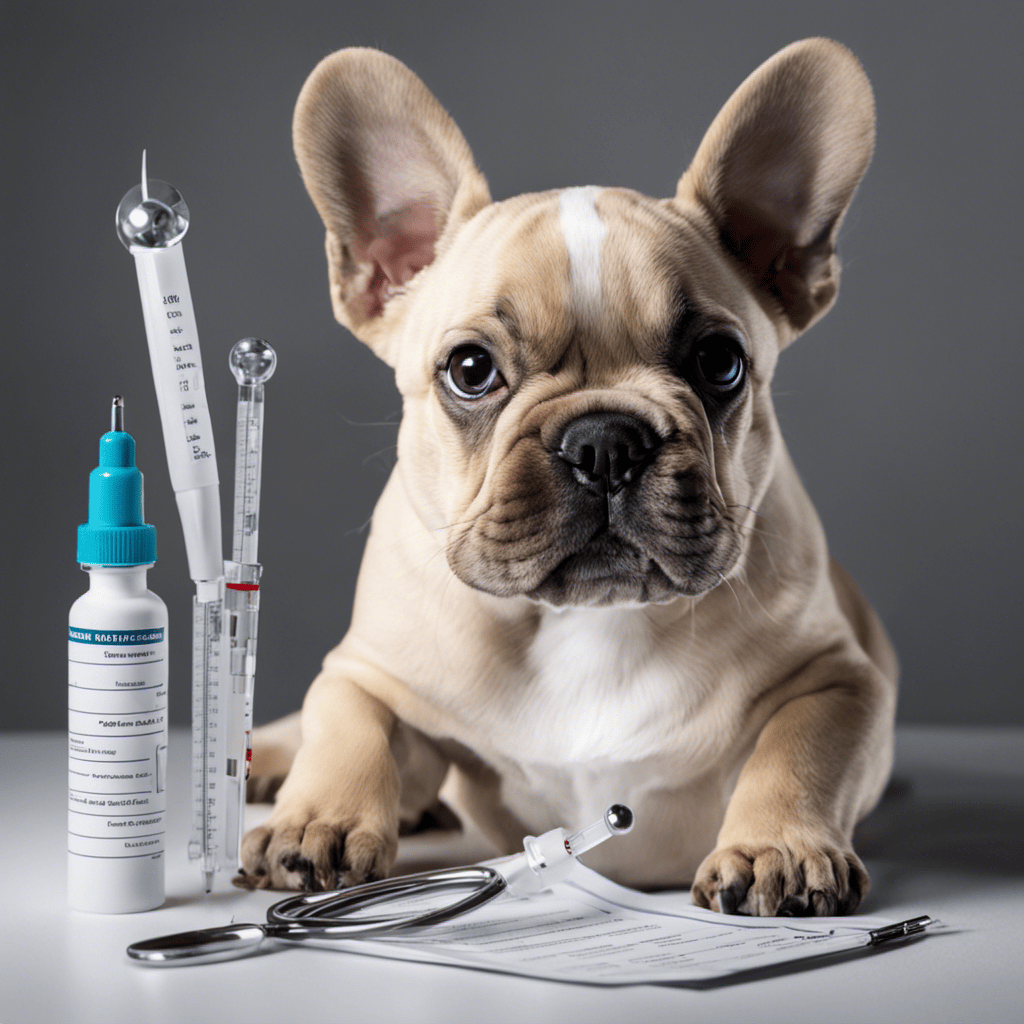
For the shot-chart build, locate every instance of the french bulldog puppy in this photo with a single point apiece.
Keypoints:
(594, 575)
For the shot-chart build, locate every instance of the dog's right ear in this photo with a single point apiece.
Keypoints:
(392, 178)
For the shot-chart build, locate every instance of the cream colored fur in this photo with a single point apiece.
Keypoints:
(733, 687)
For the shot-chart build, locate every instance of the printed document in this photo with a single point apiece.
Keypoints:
(588, 929)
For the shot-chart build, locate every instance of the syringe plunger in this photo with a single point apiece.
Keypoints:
(152, 215)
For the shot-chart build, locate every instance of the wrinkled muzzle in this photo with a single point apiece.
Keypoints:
(609, 513)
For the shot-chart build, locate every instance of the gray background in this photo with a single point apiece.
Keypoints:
(900, 408)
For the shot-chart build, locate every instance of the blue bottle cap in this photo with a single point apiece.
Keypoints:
(115, 534)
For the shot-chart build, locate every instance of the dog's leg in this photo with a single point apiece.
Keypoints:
(274, 747)
(337, 811)
(422, 768)
(819, 764)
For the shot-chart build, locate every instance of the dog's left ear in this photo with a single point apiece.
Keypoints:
(777, 170)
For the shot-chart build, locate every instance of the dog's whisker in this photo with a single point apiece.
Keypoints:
(752, 531)
(760, 515)
(373, 455)
(359, 529)
(739, 603)
(763, 536)
(356, 423)
(759, 530)
(455, 525)
(721, 577)
(741, 576)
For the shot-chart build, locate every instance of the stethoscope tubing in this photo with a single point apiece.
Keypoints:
(321, 916)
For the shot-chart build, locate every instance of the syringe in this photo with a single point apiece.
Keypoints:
(252, 361)
(152, 219)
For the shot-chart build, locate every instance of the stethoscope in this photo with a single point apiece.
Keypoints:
(323, 917)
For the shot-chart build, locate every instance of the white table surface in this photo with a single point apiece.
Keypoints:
(948, 842)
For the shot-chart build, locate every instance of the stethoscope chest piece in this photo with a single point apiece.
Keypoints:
(205, 946)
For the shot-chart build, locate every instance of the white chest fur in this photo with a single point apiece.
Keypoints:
(600, 689)
(612, 710)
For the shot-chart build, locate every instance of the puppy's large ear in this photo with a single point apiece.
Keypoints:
(778, 169)
(391, 176)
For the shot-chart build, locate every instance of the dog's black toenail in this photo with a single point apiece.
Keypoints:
(855, 890)
(727, 901)
(825, 904)
(791, 907)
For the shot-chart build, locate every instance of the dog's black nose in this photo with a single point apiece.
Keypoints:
(608, 450)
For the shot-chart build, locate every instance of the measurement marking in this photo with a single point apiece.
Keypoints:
(117, 856)
(130, 814)
(107, 689)
(96, 760)
(118, 735)
(127, 792)
(114, 664)
(148, 835)
(115, 714)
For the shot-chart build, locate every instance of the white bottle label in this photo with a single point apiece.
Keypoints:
(117, 735)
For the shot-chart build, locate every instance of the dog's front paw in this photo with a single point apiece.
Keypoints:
(335, 822)
(274, 748)
(781, 879)
(314, 851)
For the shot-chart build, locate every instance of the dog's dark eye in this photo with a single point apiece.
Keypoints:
(719, 362)
(472, 373)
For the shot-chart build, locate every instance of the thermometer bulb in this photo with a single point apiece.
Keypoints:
(252, 361)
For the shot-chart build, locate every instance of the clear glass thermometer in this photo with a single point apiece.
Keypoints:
(152, 219)
(252, 361)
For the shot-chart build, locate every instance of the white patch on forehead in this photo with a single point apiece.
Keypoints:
(584, 235)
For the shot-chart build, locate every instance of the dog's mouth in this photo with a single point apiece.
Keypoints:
(610, 570)
(615, 566)
(607, 570)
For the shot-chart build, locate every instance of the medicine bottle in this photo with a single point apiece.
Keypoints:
(117, 697)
